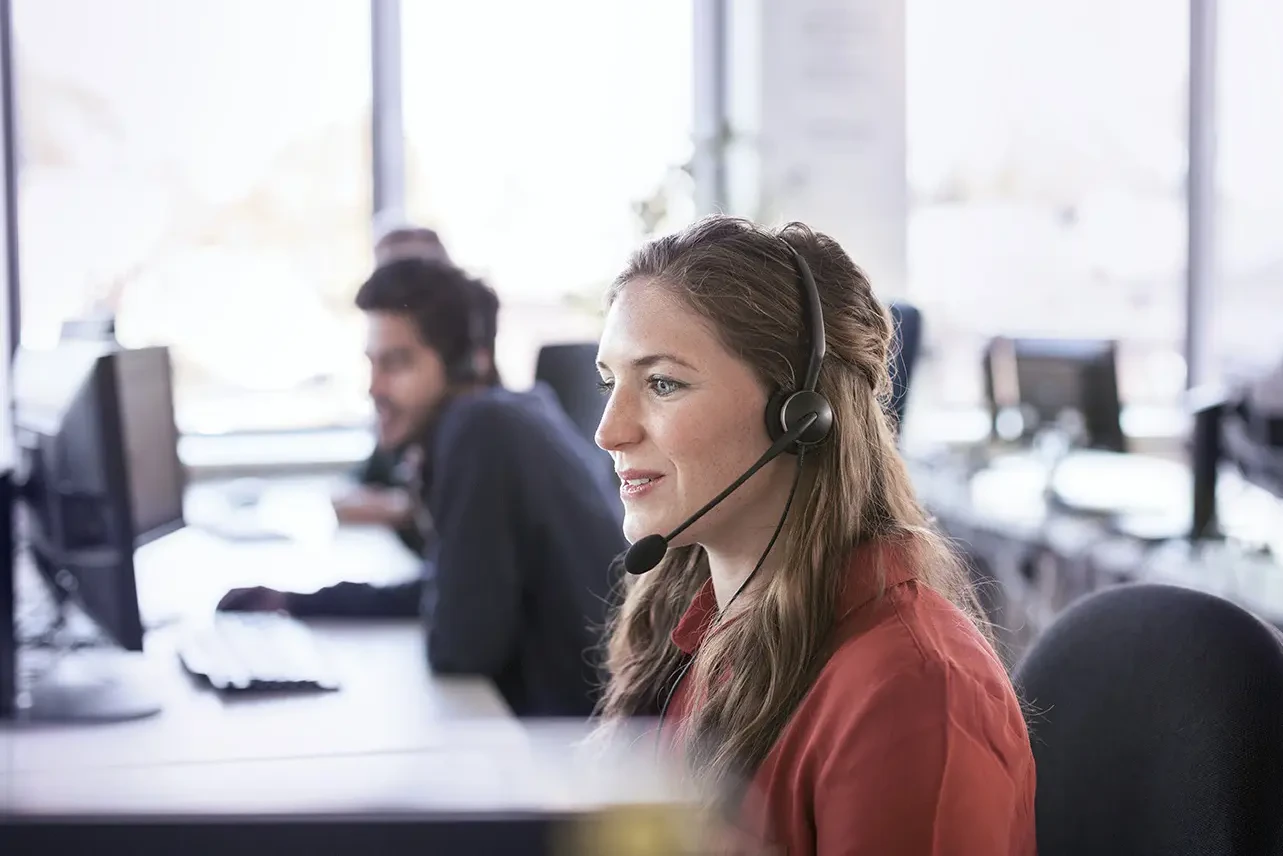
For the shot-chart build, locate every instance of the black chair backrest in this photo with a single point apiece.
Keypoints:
(571, 372)
(906, 343)
(1156, 721)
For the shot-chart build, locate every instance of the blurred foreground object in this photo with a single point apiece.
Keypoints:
(484, 787)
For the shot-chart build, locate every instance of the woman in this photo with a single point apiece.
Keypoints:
(835, 686)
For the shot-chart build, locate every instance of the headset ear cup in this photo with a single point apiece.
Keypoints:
(801, 404)
(774, 412)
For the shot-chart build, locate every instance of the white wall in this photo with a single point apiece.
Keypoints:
(816, 105)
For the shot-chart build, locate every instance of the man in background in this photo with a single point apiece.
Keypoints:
(379, 496)
(521, 525)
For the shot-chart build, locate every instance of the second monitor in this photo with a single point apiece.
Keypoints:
(1068, 385)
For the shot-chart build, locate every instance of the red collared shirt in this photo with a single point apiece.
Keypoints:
(910, 743)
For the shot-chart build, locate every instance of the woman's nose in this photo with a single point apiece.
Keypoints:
(619, 427)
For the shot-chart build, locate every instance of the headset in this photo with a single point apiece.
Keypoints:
(467, 365)
(787, 411)
(796, 420)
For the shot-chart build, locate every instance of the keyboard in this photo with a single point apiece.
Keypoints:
(256, 651)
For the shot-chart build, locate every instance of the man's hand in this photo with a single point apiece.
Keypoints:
(373, 506)
(256, 599)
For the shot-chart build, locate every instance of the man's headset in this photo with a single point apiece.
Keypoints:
(467, 365)
(795, 420)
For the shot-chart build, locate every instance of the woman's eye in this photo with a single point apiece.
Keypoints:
(605, 386)
(664, 386)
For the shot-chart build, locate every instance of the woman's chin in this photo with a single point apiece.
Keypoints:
(637, 527)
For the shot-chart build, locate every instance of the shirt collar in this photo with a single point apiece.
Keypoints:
(862, 587)
(875, 569)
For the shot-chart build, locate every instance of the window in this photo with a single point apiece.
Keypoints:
(1046, 167)
(202, 170)
(1248, 321)
(545, 141)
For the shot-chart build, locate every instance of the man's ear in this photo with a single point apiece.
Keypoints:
(482, 363)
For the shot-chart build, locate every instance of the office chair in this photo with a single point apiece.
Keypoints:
(1156, 720)
(571, 372)
(906, 343)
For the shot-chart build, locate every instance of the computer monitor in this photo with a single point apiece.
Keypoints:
(1046, 380)
(99, 475)
(8, 621)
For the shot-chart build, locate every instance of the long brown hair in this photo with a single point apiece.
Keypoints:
(751, 675)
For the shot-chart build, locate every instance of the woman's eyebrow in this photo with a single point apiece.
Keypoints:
(651, 360)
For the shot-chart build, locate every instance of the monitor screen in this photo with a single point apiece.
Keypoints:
(150, 439)
(1047, 378)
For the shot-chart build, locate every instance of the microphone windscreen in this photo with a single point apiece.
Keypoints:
(645, 554)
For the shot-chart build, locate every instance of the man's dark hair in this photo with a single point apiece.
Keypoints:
(455, 313)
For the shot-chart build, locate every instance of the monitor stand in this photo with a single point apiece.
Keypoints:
(71, 672)
(98, 684)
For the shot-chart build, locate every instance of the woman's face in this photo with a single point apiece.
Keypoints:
(684, 419)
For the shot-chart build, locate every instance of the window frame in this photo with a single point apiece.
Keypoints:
(710, 168)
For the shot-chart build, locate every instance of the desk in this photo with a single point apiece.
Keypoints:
(1252, 579)
(533, 790)
(486, 767)
(184, 574)
(1109, 519)
(999, 522)
(1030, 531)
(536, 792)
(388, 703)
